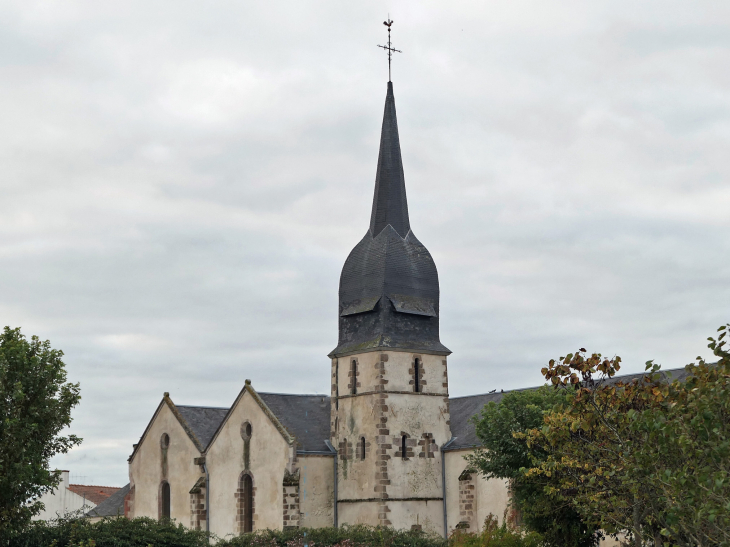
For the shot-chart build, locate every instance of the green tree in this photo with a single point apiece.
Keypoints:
(651, 456)
(35, 405)
(506, 456)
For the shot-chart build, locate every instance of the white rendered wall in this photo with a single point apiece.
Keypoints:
(316, 491)
(269, 457)
(62, 501)
(492, 496)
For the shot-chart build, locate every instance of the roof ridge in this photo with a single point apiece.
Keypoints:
(203, 406)
(94, 485)
(292, 394)
(536, 387)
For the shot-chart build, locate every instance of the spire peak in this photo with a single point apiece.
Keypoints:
(390, 205)
(389, 48)
(389, 287)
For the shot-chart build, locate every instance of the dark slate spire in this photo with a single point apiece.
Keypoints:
(389, 287)
(390, 205)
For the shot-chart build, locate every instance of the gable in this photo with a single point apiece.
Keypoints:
(250, 391)
(266, 438)
(166, 418)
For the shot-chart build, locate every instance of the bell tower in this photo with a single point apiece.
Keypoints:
(390, 410)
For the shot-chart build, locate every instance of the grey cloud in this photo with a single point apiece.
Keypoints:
(182, 182)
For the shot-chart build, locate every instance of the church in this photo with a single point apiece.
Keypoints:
(385, 448)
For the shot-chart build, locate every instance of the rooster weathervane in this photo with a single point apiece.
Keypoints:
(389, 48)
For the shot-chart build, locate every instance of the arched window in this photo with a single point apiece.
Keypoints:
(403, 447)
(362, 448)
(165, 500)
(165, 441)
(248, 503)
(353, 377)
(245, 503)
(417, 375)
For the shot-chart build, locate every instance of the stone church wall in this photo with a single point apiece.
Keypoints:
(471, 505)
(316, 491)
(358, 513)
(383, 485)
(421, 420)
(422, 515)
(152, 464)
(269, 455)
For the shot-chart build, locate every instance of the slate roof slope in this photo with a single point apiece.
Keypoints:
(463, 408)
(390, 205)
(389, 288)
(95, 494)
(203, 420)
(306, 417)
(112, 506)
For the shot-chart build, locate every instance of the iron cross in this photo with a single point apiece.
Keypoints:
(389, 47)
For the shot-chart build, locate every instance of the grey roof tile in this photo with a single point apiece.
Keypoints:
(113, 506)
(463, 408)
(389, 287)
(390, 205)
(306, 417)
(203, 420)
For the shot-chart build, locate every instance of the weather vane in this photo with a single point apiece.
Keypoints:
(389, 47)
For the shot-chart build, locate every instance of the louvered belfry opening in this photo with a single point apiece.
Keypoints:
(389, 289)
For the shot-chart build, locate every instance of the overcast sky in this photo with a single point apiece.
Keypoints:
(182, 181)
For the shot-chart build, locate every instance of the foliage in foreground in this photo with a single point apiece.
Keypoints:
(74, 531)
(649, 456)
(505, 456)
(35, 405)
(344, 536)
(496, 535)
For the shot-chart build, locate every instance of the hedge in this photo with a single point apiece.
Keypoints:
(145, 532)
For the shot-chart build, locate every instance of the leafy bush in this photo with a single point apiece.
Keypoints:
(345, 536)
(73, 531)
(494, 535)
(507, 455)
